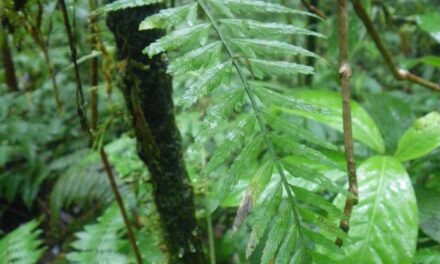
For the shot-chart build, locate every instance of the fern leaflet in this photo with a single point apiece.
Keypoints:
(22, 245)
(245, 48)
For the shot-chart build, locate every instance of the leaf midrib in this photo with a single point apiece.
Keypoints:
(373, 216)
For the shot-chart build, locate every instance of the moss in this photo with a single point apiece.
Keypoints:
(148, 94)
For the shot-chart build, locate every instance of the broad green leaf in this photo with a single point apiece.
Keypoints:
(392, 116)
(428, 200)
(431, 24)
(428, 60)
(365, 129)
(265, 68)
(178, 38)
(250, 27)
(383, 226)
(420, 139)
(124, 4)
(167, 18)
(427, 256)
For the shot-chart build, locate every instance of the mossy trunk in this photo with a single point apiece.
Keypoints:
(147, 90)
(8, 63)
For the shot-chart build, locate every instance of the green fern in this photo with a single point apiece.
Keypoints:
(300, 224)
(83, 183)
(124, 4)
(101, 242)
(22, 245)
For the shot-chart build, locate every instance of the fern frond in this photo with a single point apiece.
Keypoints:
(269, 48)
(178, 38)
(22, 245)
(101, 242)
(83, 183)
(124, 4)
(208, 80)
(260, 148)
(244, 7)
(196, 59)
(265, 68)
(227, 104)
(168, 18)
(249, 27)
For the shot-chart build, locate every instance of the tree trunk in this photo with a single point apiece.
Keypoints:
(147, 90)
(8, 63)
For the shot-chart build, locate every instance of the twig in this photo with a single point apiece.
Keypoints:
(93, 73)
(211, 240)
(35, 33)
(399, 74)
(313, 9)
(84, 123)
(344, 76)
(120, 203)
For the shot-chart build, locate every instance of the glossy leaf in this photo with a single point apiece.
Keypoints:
(428, 200)
(431, 24)
(383, 226)
(420, 139)
(427, 256)
(365, 129)
(392, 115)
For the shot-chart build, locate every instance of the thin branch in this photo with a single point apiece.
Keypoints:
(259, 118)
(313, 9)
(211, 240)
(8, 63)
(84, 123)
(399, 74)
(344, 76)
(36, 34)
(93, 71)
(120, 203)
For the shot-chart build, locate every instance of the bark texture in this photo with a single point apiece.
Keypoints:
(147, 90)
(8, 63)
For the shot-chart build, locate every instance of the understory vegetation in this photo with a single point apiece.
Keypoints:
(220, 131)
